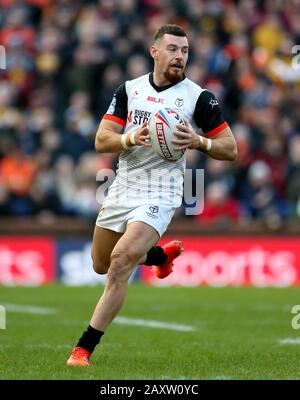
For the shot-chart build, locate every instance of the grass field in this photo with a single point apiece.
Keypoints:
(228, 333)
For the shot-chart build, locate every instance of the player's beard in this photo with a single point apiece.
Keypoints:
(174, 76)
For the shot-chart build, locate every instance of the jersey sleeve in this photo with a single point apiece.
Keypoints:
(207, 114)
(117, 110)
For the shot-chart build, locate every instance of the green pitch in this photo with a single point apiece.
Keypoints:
(206, 333)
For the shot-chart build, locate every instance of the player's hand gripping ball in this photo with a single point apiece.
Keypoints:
(162, 126)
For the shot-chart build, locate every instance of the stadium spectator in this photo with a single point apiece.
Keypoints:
(259, 197)
(219, 207)
(17, 173)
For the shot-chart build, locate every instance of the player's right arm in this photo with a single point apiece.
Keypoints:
(109, 136)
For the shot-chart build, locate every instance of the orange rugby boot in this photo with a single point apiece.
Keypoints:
(79, 358)
(172, 250)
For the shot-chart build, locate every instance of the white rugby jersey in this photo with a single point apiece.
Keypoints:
(142, 175)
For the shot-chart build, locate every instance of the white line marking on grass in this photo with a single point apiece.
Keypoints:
(290, 341)
(140, 322)
(154, 324)
(28, 309)
(48, 346)
(38, 346)
(226, 307)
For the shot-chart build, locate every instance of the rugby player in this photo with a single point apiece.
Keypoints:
(140, 202)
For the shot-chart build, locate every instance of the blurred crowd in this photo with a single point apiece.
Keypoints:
(65, 58)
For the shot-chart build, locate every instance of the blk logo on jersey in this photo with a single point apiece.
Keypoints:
(138, 117)
(158, 100)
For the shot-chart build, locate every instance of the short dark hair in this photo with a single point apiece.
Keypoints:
(170, 29)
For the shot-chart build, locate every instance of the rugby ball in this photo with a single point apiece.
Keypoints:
(162, 125)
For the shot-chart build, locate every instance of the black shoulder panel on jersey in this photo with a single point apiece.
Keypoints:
(118, 105)
(207, 114)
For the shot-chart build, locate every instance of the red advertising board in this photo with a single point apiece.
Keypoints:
(26, 260)
(233, 261)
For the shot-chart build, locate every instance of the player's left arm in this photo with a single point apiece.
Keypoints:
(218, 142)
(222, 146)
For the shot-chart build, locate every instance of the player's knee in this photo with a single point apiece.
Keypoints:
(119, 260)
(117, 277)
(122, 258)
(119, 270)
